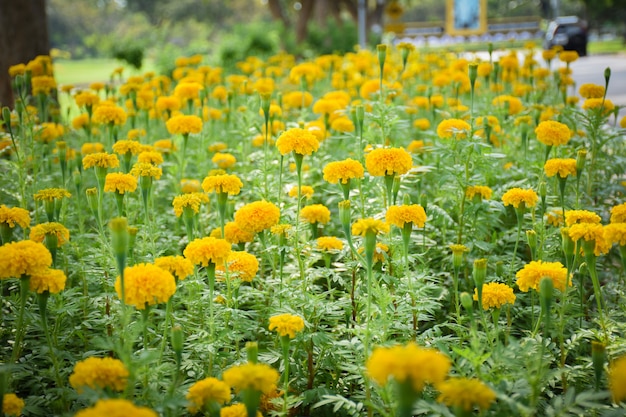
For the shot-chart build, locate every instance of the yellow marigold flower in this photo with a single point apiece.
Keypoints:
(89, 148)
(110, 407)
(207, 391)
(495, 295)
(400, 215)
(254, 376)
(234, 234)
(552, 133)
(12, 405)
(617, 379)
(51, 194)
(589, 90)
(329, 243)
(145, 284)
(257, 216)
(217, 147)
(622, 122)
(101, 160)
(422, 124)
(189, 200)
(326, 106)
(236, 410)
(388, 161)
(81, 122)
(306, 191)
(555, 217)
(581, 216)
(223, 160)
(14, 215)
(168, 103)
(297, 140)
(518, 196)
(177, 265)
(411, 363)
(563, 167)
(151, 157)
(615, 233)
(342, 124)
(86, 99)
(315, 213)
(190, 186)
(125, 146)
(466, 394)
(380, 252)
(226, 183)
(343, 171)
(188, 90)
(184, 124)
(482, 191)
(590, 232)
(618, 213)
(165, 146)
(530, 276)
(453, 129)
(207, 250)
(117, 182)
(568, 56)
(242, 265)
(39, 232)
(99, 373)
(43, 84)
(109, 114)
(297, 99)
(513, 104)
(18, 69)
(458, 249)
(47, 132)
(416, 146)
(597, 103)
(51, 280)
(363, 226)
(144, 169)
(286, 325)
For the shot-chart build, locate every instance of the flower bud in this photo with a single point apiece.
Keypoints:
(252, 352)
(382, 56)
(119, 235)
(581, 157)
(598, 357)
(480, 272)
(568, 245)
(531, 236)
(467, 302)
(473, 73)
(607, 76)
(6, 118)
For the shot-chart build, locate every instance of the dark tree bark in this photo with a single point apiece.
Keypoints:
(304, 15)
(23, 36)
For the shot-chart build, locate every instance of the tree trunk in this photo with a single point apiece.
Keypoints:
(304, 15)
(277, 12)
(23, 36)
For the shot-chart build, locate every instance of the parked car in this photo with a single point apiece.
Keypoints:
(570, 32)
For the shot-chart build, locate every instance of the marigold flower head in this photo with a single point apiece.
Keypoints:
(52, 194)
(297, 140)
(117, 182)
(297, 99)
(306, 191)
(518, 196)
(257, 216)
(178, 266)
(481, 191)
(589, 90)
(531, 274)
(453, 129)
(226, 183)
(363, 226)
(23, 258)
(223, 160)
(495, 295)
(581, 216)
(253, 376)
(145, 284)
(562, 167)
(109, 114)
(568, 56)
(51, 280)
(329, 243)
(12, 405)
(236, 410)
(39, 232)
(233, 234)
(513, 104)
(14, 215)
(615, 233)
(242, 265)
(590, 232)
(145, 169)
(343, 171)
(606, 105)
(388, 161)
(151, 157)
(184, 124)
(466, 394)
(206, 391)
(342, 124)
(617, 379)
(91, 147)
(189, 200)
(101, 160)
(99, 373)
(188, 90)
(286, 325)
(165, 146)
(47, 132)
(410, 363)
(43, 84)
(552, 133)
(110, 407)
(618, 213)
(315, 213)
(555, 218)
(400, 215)
(207, 250)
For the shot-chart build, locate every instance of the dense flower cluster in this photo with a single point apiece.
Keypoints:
(581, 216)
(12, 405)
(618, 213)
(109, 114)
(190, 200)
(482, 191)
(184, 125)
(52, 194)
(453, 129)
(329, 243)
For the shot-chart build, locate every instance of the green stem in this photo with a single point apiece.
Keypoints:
(19, 332)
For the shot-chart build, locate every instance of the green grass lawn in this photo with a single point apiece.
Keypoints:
(85, 71)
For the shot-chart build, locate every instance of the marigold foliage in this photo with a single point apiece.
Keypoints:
(177, 265)
(226, 183)
(315, 213)
(363, 226)
(465, 393)
(329, 243)
(552, 133)
(12, 405)
(111, 407)
(99, 373)
(297, 140)
(14, 215)
(254, 376)
(184, 124)
(207, 250)
(145, 284)
(453, 129)
(517, 197)
(495, 295)
(23, 258)
(388, 161)
(206, 391)
(531, 274)
(410, 363)
(117, 182)
(399, 215)
(343, 171)
(257, 216)
(562, 167)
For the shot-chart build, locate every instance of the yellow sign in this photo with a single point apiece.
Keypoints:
(466, 17)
